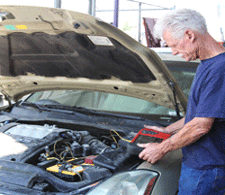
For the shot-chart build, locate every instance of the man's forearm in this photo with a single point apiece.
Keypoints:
(173, 128)
(190, 133)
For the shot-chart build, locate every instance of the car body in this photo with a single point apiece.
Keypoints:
(79, 91)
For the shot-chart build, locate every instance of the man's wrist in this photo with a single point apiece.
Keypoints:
(166, 130)
(165, 146)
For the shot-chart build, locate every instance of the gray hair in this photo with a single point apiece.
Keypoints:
(178, 21)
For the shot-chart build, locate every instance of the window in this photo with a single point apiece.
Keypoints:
(101, 101)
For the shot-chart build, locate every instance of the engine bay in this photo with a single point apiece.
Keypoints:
(51, 159)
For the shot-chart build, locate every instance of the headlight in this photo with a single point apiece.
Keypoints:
(137, 182)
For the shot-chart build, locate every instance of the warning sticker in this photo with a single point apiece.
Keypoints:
(21, 26)
(101, 41)
(10, 27)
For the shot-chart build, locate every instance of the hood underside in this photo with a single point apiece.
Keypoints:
(47, 48)
(70, 55)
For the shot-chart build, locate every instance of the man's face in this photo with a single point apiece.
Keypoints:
(185, 47)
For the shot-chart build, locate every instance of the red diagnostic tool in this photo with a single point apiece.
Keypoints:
(149, 136)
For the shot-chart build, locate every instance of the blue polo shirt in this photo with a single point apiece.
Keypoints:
(207, 99)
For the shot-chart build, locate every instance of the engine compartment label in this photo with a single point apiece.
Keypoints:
(101, 41)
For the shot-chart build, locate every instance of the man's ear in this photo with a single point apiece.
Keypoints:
(189, 34)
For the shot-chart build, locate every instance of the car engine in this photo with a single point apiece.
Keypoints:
(51, 159)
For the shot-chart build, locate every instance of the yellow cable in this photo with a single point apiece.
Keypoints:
(55, 148)
(114, 139)
(59, 155)
(50, 158)
(119, 136)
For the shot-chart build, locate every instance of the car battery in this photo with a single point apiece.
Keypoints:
(150, 136)
(67, 172)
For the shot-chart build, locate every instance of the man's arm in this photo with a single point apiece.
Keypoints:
(190, 133)
(173, 128)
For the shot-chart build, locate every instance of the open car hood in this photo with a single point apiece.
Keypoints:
(48, 48)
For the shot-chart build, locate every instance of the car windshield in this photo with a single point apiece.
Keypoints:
(184, 77)
(184, 74)
(99, 101)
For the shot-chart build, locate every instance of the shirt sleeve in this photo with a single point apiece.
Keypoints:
(212, 98)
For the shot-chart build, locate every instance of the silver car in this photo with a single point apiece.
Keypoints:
(79, 91)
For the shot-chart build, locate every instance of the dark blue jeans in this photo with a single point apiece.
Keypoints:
(202, 182)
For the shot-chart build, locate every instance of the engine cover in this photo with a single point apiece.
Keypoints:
(21, 140)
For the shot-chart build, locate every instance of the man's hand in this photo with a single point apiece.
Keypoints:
(161, 129)
(190, 133)
(152, 152)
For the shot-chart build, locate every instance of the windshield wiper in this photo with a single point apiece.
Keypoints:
(89, 111)
(72, 110)
(32, 105)
(58, 108)
(42, 107)
(69, 108)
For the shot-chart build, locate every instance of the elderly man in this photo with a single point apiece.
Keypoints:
(201, 133)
